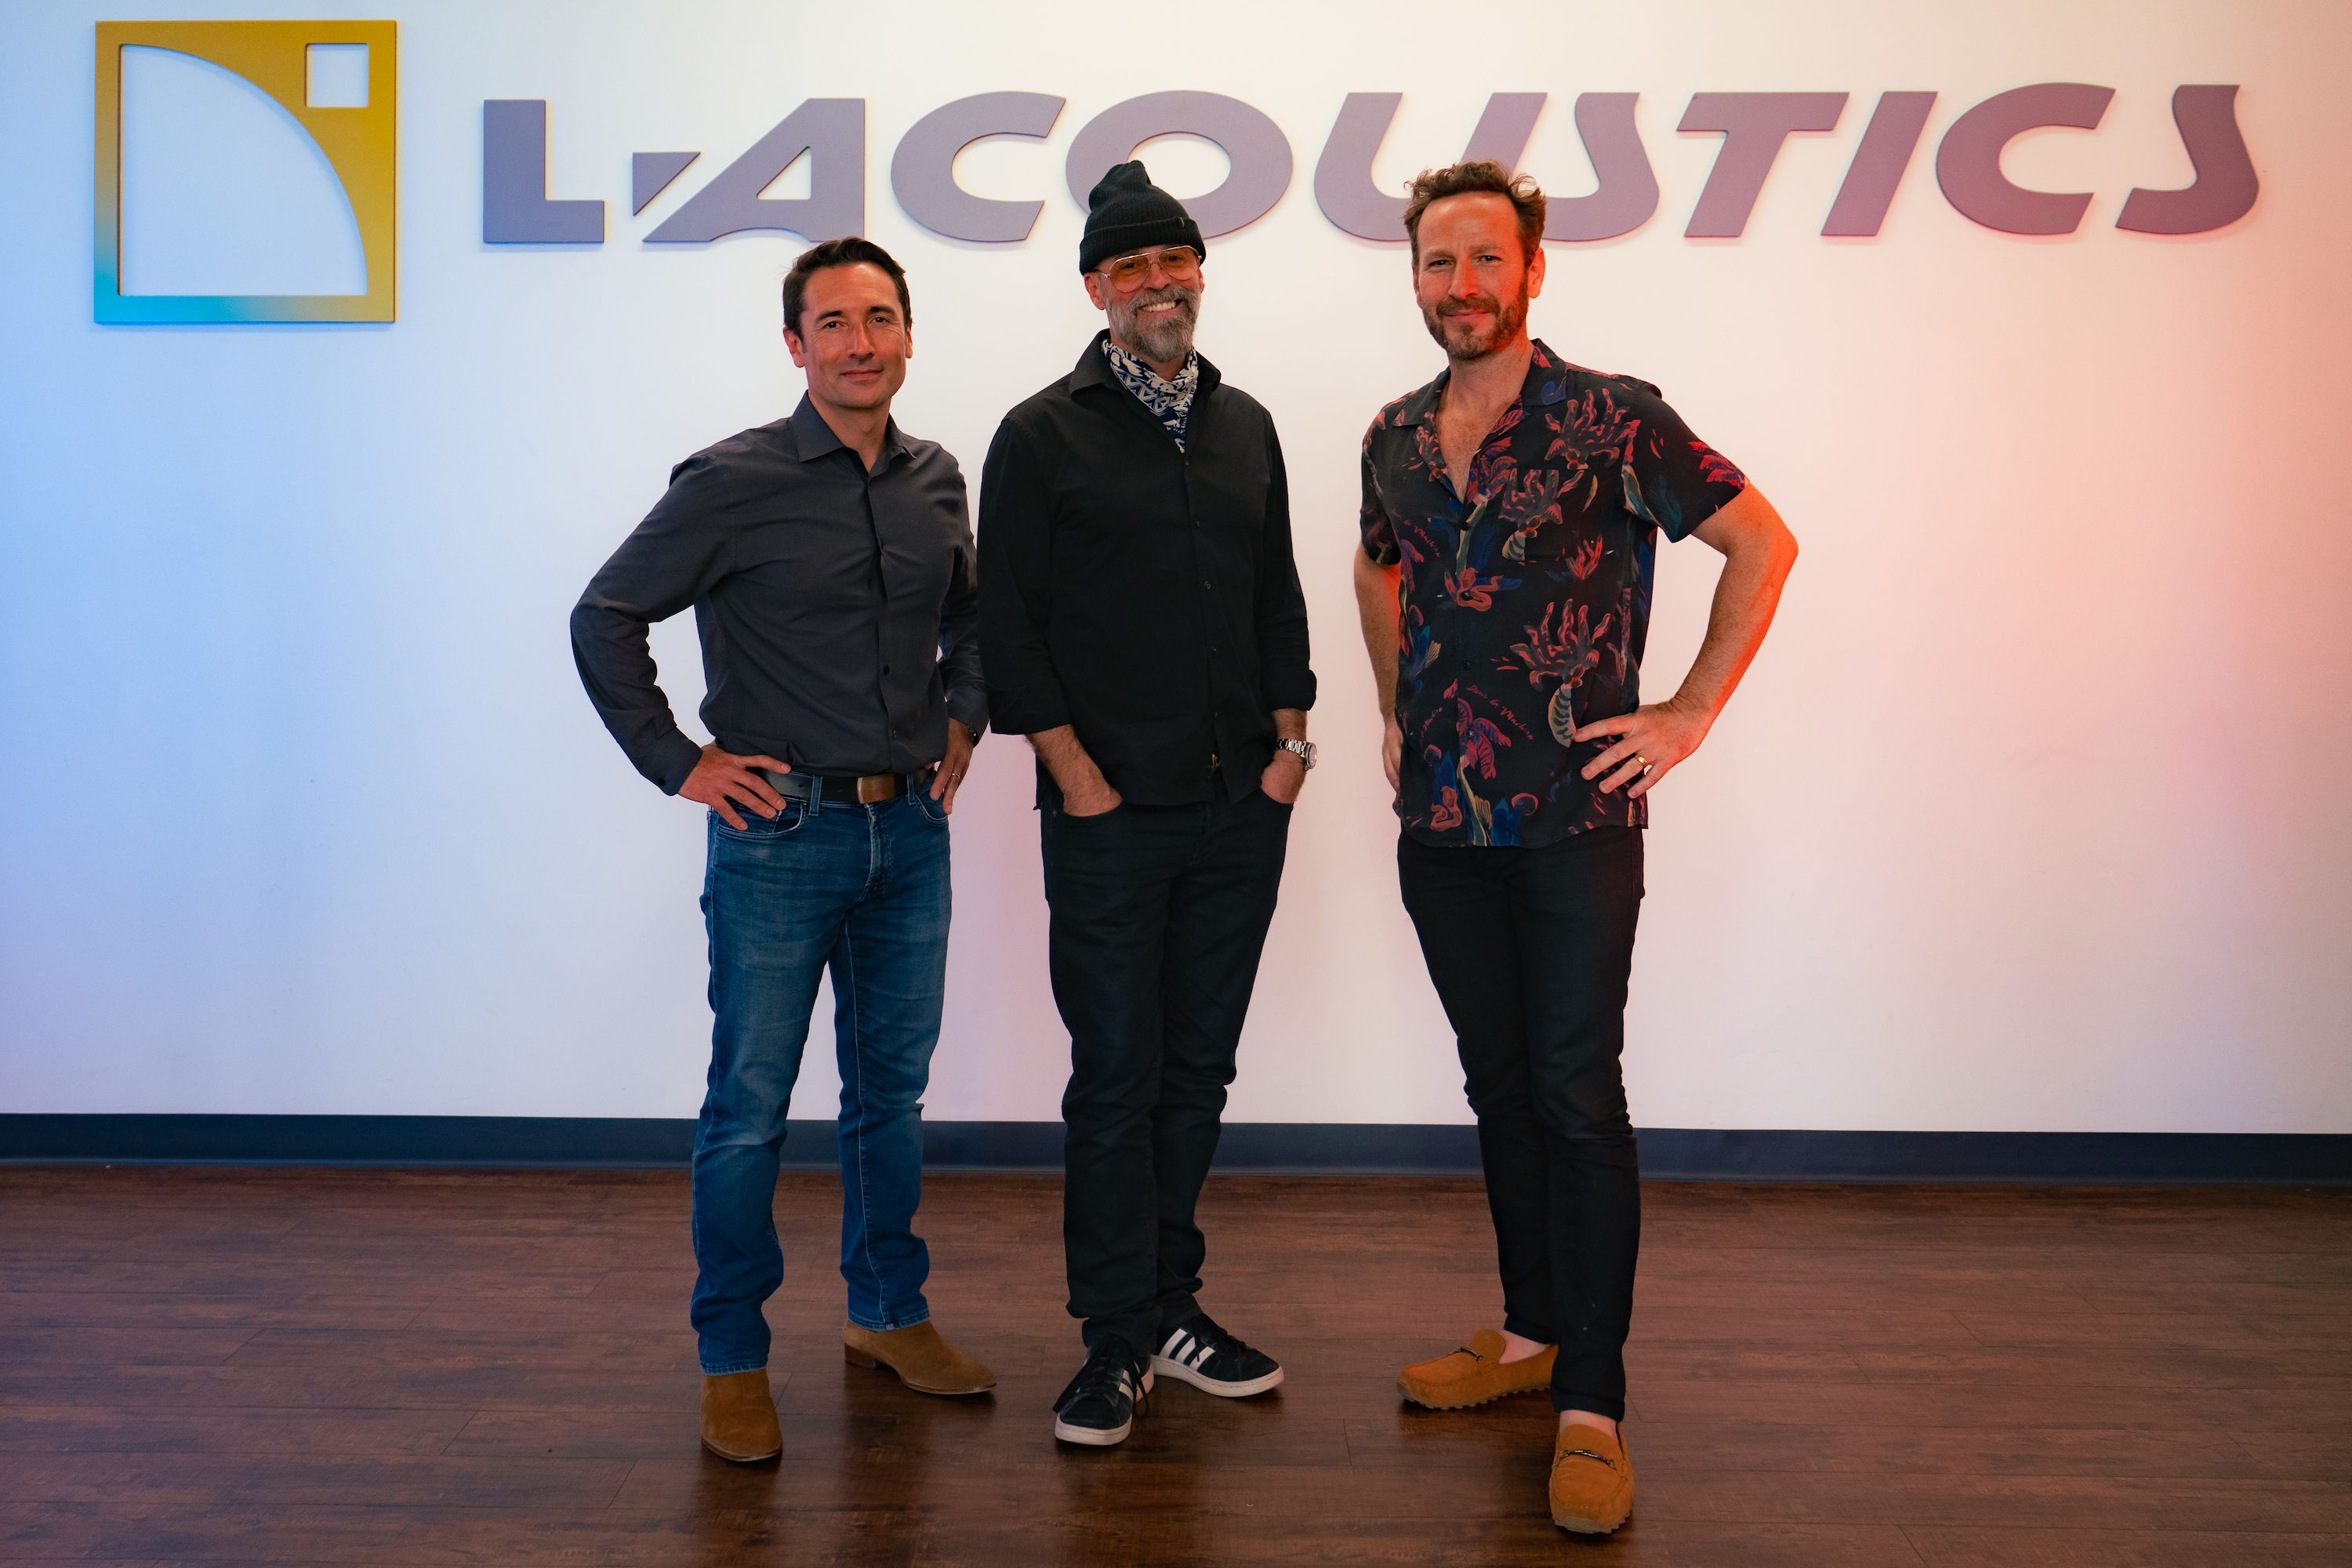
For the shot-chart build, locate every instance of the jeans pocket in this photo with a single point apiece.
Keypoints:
(758, 829)
(935, 812)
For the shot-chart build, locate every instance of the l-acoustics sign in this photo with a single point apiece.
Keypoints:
(357, 137)
(830, 132)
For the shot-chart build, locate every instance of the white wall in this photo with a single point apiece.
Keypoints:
(2030, 815)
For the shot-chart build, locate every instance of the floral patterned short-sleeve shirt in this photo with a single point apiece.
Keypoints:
(1523, 608)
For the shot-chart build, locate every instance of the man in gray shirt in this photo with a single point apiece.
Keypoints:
(828, 558)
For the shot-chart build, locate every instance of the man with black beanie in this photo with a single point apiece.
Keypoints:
(1141, 623)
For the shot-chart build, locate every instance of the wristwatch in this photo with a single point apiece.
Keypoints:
(1303, 749)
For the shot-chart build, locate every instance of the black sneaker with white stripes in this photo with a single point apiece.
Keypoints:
(1214, 1362)
(1098, 1408)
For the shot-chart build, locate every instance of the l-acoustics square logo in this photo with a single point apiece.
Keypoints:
(358, 135)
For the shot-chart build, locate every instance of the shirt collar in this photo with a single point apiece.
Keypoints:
(1094, 368)
(1134, 369)
(814, 437)
(1547, 382)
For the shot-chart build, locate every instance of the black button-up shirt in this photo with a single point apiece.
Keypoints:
(1141, 593)
(836, 607)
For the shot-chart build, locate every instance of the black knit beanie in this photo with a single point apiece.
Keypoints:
(1126, 211)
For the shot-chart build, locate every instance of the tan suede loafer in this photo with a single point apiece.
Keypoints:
(1591, 1481)
(923, 1360)
(739, 1417)
(1474, 1374)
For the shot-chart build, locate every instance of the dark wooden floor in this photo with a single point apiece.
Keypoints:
(281, 1366)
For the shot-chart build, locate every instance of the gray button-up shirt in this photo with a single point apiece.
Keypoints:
(838, 607)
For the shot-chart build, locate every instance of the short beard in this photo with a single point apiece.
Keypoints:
(1464, 347)
(1164, 339)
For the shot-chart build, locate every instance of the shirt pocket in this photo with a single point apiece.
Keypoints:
(1557, 550)
(1548, 522)
(1226, 483)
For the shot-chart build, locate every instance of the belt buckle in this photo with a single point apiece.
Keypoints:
(875, 787)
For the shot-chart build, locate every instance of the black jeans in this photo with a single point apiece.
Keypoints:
(1159, 914)
(1530, 950)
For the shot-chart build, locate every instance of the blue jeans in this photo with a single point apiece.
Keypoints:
(863, 891)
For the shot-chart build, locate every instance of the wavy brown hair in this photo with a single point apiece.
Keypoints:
(1527, 198)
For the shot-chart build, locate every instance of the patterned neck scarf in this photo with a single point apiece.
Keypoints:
(1169, 401)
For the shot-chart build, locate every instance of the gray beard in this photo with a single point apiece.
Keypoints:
(1164, 339)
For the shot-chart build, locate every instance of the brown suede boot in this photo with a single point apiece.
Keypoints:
(1591, 1481)
(739, 1417)
(1474, 1374)
(923, 1360)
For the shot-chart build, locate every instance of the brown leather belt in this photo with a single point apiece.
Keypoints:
(868, 790)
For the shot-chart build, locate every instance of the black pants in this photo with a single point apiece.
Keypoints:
(1530, 950)
(1159, 914)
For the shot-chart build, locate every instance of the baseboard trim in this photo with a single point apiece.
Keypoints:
(1668, 1153)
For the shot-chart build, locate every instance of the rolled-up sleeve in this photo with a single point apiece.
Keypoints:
(1672, 477)
(671, 559)
(1285, 676)
(1016, 595)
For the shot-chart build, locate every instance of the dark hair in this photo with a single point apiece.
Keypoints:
(847, 251)
(1467, 179)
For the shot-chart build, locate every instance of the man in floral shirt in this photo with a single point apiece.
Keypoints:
(1510, 517)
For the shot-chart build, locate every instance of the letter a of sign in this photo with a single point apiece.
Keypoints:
(832, 132)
